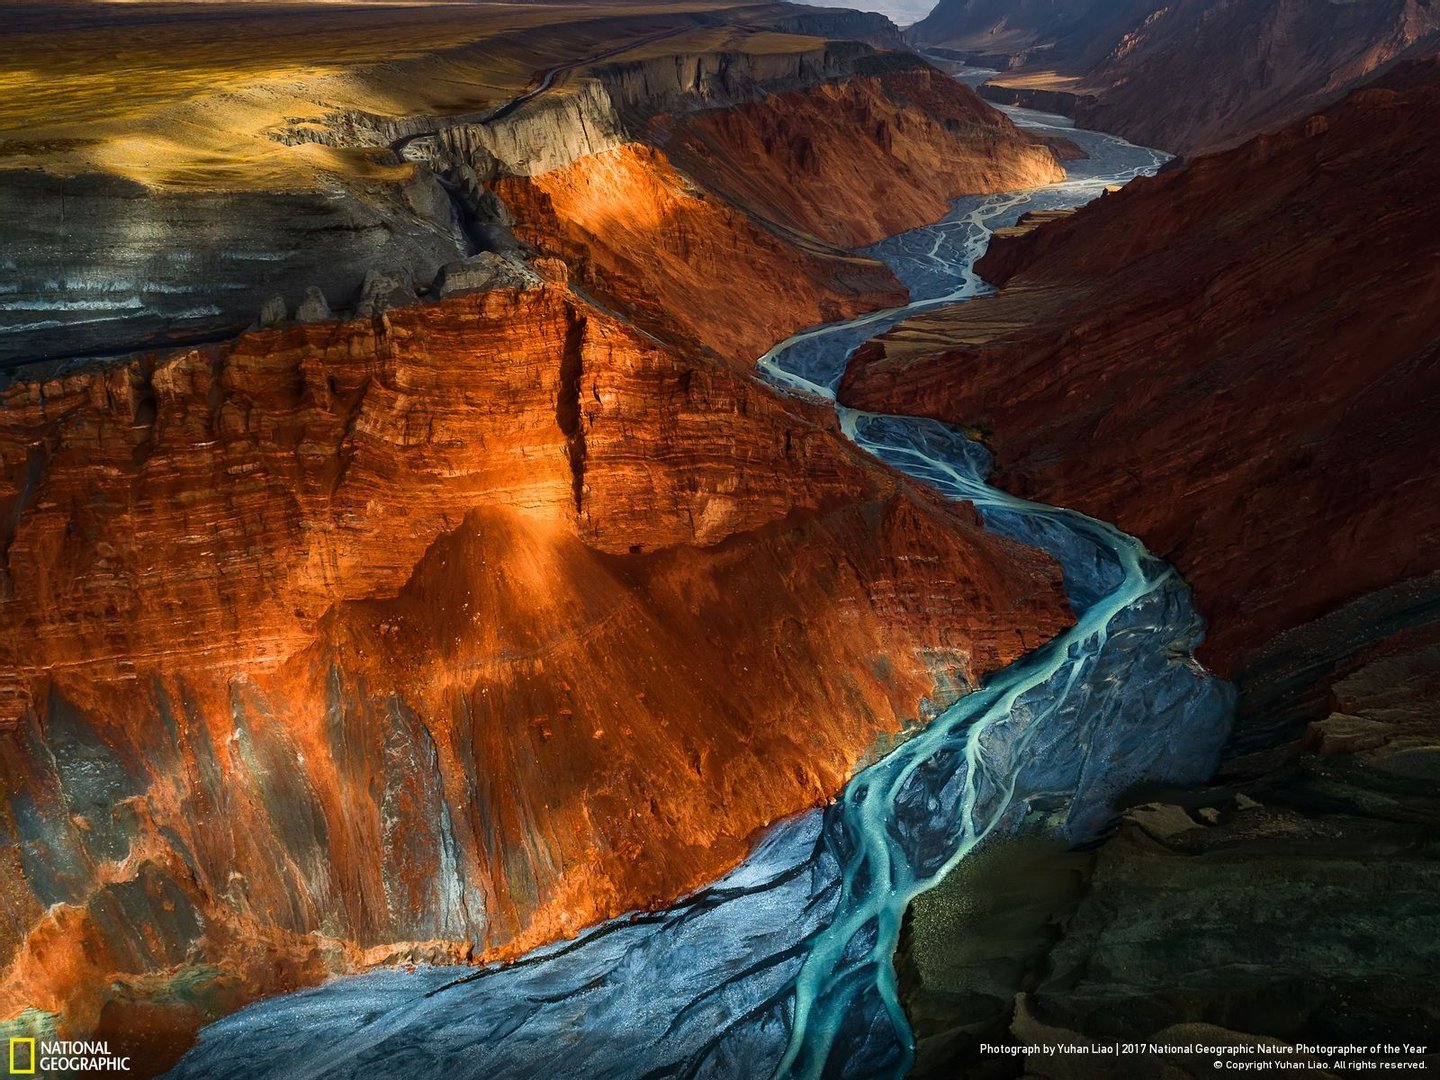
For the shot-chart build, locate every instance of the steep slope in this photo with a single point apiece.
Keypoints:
(770, 191)
(1189, 76)
(1235, 361)
(643, 237)
(855, 161)
(434, 635)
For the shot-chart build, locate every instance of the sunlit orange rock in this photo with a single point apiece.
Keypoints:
(746, 241)
(434, 636)
(679, 259)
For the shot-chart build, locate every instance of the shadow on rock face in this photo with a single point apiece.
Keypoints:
(1294, 901)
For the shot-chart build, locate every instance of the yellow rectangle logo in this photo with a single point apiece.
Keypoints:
(15, 1069)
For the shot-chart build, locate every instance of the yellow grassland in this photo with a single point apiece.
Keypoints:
(188, 94)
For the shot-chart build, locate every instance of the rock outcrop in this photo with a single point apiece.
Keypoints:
(482, 273)
(1234, 361)
(434, 635)
(1190, 76)
(479, 592)
(823, 169)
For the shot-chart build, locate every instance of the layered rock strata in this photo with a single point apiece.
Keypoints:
(434, 635)
(677, 237)
(855, 161)
(641, 235)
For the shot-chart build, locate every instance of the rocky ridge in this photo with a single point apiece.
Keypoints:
(854, 161)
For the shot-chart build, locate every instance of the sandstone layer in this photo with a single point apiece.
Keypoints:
(1235, 361)
(438, 634)
(1190, 76)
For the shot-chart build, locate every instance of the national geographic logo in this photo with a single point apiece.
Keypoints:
(22, 1057)
(30, 1056)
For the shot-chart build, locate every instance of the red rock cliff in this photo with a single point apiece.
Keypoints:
(438, 635)
(733, 234)
(1235, 361)
(683, 261)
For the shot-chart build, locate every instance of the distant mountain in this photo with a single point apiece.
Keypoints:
(1190, 75)
(1011, 30)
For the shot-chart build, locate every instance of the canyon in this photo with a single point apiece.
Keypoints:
(784, 966)
(1245, 67)
(1227, 410)
(478, 592)
(458, 590)
(1235, 360)
(532, 541)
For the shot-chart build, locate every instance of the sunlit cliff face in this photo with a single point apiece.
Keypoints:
(855, 161)
(444, 626)
(438, 635)
(768, 192)
(638, 229)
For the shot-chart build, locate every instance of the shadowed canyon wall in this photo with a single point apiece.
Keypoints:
(1235, 361)
(1187, 77)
